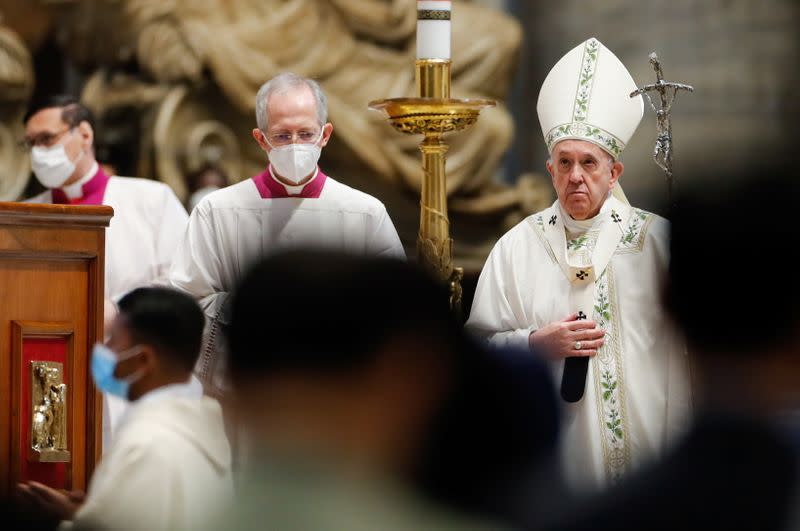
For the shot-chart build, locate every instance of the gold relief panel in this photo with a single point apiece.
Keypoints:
(48, 413)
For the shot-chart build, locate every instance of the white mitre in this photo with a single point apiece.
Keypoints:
(586, 96)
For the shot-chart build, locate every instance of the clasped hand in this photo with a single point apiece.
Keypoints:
(569, 337)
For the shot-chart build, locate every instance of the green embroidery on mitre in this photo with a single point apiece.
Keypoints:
(578, 128)
(583, 94)
(583, 131)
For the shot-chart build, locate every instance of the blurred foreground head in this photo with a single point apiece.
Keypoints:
(733, 287)
(340, 357)
(360, 363)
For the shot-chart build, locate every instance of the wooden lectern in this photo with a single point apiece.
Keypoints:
(51, 313)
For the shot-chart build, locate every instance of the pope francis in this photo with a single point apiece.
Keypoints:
(581, 280)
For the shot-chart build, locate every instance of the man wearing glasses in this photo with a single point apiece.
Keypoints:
(148, 221)
(289, 205)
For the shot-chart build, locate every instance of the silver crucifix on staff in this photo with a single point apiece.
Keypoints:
(662, 153)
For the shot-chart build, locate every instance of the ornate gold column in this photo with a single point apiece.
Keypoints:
(432, 114)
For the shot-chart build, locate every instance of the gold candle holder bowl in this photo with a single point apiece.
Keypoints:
(431, 116)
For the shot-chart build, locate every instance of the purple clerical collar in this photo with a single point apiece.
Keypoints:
(270, 188)
(91, 191)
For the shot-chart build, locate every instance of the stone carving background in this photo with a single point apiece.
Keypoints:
(173, 83)
(16, 86)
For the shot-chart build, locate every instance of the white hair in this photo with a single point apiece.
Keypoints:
(283, 83)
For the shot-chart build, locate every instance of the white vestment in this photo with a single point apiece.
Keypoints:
(637, 394)
(148, 224)
(231, 229)
(169, 466)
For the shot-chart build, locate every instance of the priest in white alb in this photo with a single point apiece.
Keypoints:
(148, 221)
(581, 281)
(291, 204)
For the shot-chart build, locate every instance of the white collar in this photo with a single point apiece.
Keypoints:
(75, 190)
(191, 389)
(293, 190)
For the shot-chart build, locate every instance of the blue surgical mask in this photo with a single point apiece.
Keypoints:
(104, 363)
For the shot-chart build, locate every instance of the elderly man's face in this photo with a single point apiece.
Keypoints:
(583, 174)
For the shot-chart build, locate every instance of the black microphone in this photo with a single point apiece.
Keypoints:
(573, 380)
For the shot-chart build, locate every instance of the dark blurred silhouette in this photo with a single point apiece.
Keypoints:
(365, 406)
(491, 449)
(16, 515)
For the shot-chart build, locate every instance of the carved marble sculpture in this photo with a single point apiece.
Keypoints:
(199, 63)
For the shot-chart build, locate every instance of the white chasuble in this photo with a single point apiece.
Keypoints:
(611, 270)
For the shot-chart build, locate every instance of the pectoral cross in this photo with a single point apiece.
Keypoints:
(662, 153)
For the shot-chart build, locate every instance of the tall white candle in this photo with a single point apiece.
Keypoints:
(433, 29)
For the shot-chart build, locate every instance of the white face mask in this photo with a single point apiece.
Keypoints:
(295, 162)
(52, 165)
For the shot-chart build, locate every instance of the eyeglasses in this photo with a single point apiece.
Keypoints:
(303, 137)
(44, 139)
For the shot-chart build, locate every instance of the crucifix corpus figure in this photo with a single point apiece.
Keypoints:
(662, 153)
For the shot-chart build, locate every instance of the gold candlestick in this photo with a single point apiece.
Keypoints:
(432, 114)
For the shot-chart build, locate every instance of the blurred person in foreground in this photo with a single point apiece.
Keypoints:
(738, 466)
(170, 465)
(380, 414)
(16, 515)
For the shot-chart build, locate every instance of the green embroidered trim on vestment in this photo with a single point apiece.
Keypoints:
(577, 243)
(537, 221)
(635, 233)
(609, 380)
(581, 246)
(607, 366)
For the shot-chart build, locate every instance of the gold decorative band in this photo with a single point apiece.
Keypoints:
(433, 14)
